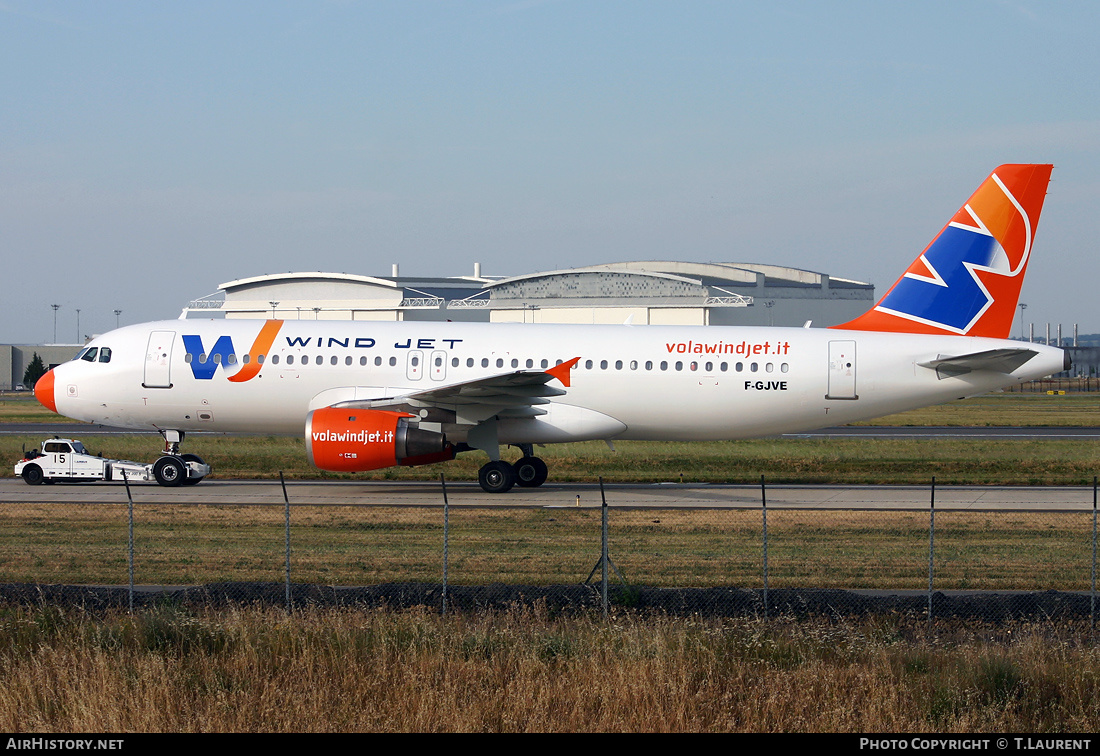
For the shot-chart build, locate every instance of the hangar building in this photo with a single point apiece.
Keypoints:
(651, 292)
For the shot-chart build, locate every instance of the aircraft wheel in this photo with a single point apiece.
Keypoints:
(188, 480)
(531, 472)
(32, 474)
(496, 477)
(170, 471)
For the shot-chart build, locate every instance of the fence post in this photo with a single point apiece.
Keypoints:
(1092, 599)
(446, 539)
(286, 517)
(130, 545)
(764, 517)
(603, 549)
(931, 547)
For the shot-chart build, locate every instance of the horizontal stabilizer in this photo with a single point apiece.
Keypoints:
(995, 360)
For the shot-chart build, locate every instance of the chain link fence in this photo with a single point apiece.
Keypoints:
(749, 558)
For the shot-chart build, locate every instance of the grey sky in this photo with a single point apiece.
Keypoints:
(150, 151)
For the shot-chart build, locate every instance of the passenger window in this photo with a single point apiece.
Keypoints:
(275, 359)
(290, 359)
(393, 361)
(545, 364)
(588, 364)
(754, 367)
(649, 364)
(664, 365)
(485, 362)
(377, 361)
(362, 361)
(784, 367)
(679, 366)
(603, 364)
(469, 362)
(500, 362)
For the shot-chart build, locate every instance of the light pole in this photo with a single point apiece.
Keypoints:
(77, 325)
(117, 313)
(273, 306)
(1022, 308)
(55, 307)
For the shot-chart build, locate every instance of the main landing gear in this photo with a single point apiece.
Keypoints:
(175, 469)
(499, 476)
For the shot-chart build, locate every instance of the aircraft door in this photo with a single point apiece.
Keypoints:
(842, 370)
(414, 369)
(439, 365)
(158, 360)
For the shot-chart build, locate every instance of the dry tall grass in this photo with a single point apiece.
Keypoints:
(329, 670)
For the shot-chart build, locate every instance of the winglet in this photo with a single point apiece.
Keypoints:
(561, 372)
(967, 281)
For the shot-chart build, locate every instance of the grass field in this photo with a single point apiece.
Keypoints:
(250, 670)
(1013, 461)
(170, 669)
(353, 546)
(788, 460)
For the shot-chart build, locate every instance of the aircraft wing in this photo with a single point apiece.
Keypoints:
(515, 394)
(996, 360)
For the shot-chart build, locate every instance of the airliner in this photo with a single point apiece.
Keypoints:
(370, 395)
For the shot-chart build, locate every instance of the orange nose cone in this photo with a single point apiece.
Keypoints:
(43, 391)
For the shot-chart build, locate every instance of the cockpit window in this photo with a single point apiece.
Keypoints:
(89, 356)
(105, 354)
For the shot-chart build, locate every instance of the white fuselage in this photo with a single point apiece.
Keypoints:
(632, 382)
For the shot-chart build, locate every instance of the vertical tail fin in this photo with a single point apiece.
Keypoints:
(967, 281)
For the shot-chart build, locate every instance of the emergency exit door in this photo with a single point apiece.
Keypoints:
(842, 370)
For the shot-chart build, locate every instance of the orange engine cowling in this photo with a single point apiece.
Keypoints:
(355, 440)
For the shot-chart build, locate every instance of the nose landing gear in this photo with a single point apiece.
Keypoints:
(175, 469)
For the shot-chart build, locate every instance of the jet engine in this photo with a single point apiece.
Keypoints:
(356, 440)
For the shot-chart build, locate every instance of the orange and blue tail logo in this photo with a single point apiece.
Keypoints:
(967, 281)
